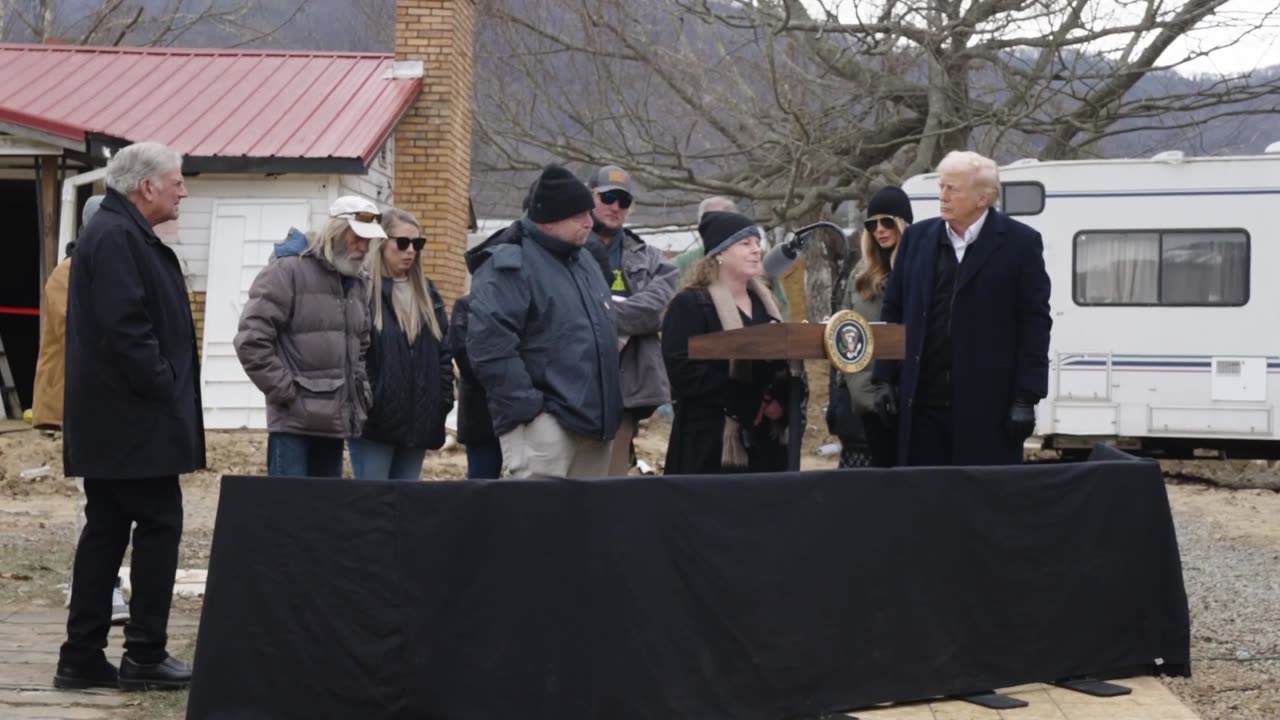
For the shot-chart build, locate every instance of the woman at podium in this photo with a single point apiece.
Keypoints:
(729, 415)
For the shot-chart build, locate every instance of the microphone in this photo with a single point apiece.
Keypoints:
(779, 258)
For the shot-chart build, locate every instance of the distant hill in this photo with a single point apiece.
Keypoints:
(368, 25)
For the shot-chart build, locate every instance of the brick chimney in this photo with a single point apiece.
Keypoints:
(433, 141)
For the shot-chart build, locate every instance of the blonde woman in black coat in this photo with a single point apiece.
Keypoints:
(410, 369)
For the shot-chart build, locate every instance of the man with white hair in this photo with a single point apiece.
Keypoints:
(303, 338)
(133, 421)
(51, 378)
(972, 290)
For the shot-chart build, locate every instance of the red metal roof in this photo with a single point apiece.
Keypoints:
(208, 103)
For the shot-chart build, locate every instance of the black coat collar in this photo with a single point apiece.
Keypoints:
(119, 203)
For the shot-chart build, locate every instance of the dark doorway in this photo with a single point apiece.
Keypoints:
(20, 282)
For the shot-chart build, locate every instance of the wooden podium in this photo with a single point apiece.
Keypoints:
(791, 341)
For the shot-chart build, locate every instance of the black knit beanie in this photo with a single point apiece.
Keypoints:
(719, 230)
(558, 195)
(890, 200)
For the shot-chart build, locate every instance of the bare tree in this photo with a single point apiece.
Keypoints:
(798, 107)
(226, 23)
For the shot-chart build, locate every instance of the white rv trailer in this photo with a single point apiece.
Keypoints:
(1165, 301)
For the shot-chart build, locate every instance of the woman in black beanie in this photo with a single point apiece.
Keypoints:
(729, 415)
(888, 215)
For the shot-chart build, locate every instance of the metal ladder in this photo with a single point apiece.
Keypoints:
(8, 391)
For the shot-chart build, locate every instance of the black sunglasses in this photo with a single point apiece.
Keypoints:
(404, 242)
(610, 197)
(887, 223)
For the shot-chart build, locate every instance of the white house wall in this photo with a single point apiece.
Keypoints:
(196, 213)
(376, 184)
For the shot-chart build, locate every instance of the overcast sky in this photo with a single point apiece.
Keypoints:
(1254, 23)
(1259, 23)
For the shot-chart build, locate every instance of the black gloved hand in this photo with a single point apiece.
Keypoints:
(886, 403)
(1022, 420)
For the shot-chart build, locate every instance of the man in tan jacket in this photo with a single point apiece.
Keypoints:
(46, 407)
(51, 366)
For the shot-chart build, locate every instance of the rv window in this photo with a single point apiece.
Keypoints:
(1172, 267)
(1022, 198)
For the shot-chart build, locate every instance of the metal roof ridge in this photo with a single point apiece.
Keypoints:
(223, 52)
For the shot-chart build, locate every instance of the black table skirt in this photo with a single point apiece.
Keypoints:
(737, 597)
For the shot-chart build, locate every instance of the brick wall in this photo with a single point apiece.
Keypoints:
(433, 141)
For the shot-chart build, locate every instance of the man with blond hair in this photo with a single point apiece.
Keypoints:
(972, 290)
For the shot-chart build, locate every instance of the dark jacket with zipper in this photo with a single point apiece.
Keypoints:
(542, 335)
(412, 384)
(475, 427)
(133, 407)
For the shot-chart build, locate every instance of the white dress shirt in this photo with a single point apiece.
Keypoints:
(962, 243)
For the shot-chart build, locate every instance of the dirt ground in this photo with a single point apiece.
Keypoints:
(38, 511)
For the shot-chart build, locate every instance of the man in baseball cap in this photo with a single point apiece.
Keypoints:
(642, 281)
(361, 215)
(610, 177)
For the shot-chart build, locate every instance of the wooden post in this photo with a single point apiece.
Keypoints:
(49, 197)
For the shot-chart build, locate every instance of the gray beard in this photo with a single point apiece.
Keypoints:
(345, 264)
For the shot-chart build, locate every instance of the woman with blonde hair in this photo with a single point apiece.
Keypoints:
(729, 415)
(410, 369)
(888, 215)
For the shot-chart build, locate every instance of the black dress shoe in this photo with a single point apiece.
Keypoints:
(84, 675)
(168, 674)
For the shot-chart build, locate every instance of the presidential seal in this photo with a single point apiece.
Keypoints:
(849, 342)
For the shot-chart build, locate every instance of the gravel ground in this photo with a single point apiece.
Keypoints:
(1230, 544)
(1229, 539)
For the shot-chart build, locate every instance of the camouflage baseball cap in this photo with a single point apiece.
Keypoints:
(611, 177)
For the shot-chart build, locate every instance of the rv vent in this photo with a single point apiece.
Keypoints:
(1031, 161)
(1169, 156)
(1227, 368)
(1273, 148)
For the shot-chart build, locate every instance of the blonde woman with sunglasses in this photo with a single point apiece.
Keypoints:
(410, 369)
(888, 215)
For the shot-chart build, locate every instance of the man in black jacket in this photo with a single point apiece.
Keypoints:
(971, 288)
(133, 421)
(475, 427)
(542, 338)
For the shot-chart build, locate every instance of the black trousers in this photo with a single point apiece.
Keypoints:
(931, 443)
(882, 442)
(155, 505)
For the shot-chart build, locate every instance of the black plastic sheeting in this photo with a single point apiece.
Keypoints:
(742, 597)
